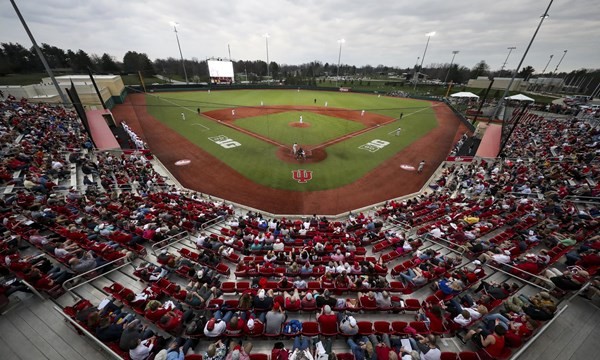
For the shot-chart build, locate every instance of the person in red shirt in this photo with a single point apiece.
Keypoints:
(435, 317)
(327, 320)
(154, 312)
(171, 321)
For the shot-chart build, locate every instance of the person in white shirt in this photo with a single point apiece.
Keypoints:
(214, 328)
(142, 350)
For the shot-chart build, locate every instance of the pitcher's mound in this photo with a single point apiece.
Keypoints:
(299, 125)
(313, 156)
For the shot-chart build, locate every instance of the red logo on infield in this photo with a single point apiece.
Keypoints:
(302, 176)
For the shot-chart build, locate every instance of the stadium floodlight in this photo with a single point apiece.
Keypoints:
(514, 75)
(340, 41)
(175, 25)
(451, 62)
(267, 36)
(510, 49)
(429, 35)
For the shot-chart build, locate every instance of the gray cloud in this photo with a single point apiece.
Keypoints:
(376, 32)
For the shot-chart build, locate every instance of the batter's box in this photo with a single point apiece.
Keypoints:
(374, 145)
(368, 147)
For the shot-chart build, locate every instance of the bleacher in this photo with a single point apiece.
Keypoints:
(130, 236)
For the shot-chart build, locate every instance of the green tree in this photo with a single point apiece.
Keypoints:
(79, 61)
(134, 62)
(480, 69)
(107, 64)
(526, 72)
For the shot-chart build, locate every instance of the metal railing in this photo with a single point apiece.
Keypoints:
(169, 241)
(100, 275)
(583, 199)
(544, 280)
(449, 247)
(214, 221)
(403, 224)
(83, 330)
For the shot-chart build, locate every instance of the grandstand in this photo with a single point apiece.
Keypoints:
(96, 243)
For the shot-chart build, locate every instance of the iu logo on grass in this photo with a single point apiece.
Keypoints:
(302, 176)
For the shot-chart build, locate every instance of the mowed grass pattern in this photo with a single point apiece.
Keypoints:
(257, 160)
(277, 127)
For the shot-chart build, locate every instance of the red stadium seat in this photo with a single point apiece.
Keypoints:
(259, 356)
(398, 327)
(223, 269)
(242, 286)
(310, 328)
(381, 327)
(468, 355)
(368, 304)
(420, 326)
(228, 287)
(365, 328)
(412, 304)
(446, 355)
(344, 356)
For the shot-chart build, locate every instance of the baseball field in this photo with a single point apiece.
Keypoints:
(240, 143)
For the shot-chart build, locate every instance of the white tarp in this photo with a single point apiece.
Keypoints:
(520, 97)
(464, 94)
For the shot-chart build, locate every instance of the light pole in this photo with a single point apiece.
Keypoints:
(451, 62)
(337, 78)
(429, 35)
(548, 63)
(174, 24)
(510, 49)
(502, 100)
(559, 62)
(267, 36)
(59, 91)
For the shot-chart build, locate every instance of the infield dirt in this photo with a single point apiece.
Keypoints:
(209, 175)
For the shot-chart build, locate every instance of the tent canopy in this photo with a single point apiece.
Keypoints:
(464, 94)
(520, 97)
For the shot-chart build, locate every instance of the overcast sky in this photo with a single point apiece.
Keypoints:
(389, 32)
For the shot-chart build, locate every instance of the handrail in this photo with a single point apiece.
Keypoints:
(33, 289)
(88, 334)
(405, 225)
(435, 239)
(213, 221)
(540, 332)
(534, 195)
(70, 290)
(582, 199)
(154, 248)
(544, 280)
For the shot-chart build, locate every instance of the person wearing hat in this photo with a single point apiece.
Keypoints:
(214, 328)
(348, 326)
(262, 302)
(308, 301)
(274, 320)
(239, 352)
(278, 245)
(327, 320)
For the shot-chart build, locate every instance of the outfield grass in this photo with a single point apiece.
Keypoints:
(277, 127)
(257, 160)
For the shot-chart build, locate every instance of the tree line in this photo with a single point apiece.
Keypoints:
(17, 59)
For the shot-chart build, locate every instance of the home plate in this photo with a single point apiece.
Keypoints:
(187, 162)
(407, 167)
